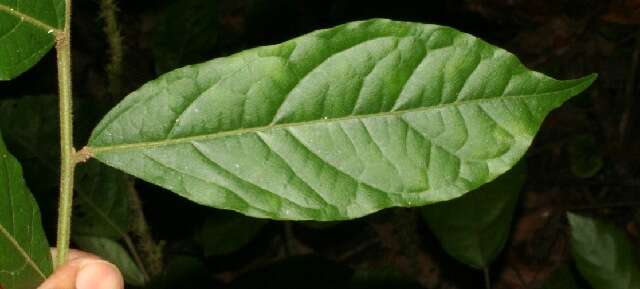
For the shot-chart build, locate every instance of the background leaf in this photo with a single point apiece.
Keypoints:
(101, 205)
(25, 259)
(102, 202)
(27, 33)
(113, 252)
(101, 218)
(30, 127)
(186, 31)
(603, 254)
(474, 228)
(227, 232)
(427, 114)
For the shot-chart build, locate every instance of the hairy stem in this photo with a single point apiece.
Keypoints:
(136, 256)
(151, 251)
(108, 11)
(67, 153)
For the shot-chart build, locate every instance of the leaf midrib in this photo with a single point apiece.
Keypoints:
(24, 254)
(102, 149)
(24, 17)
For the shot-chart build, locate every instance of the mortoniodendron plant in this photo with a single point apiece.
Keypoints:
(332, 125)
(335, 124)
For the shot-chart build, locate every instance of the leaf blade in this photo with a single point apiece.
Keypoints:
(477, 236)
(26, 260)
(27, 33)
(289, 106)
(603, 254)
(102, 202)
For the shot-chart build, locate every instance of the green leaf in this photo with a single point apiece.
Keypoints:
(228, 232)
(114, 253)
(603, 254)
(102, 203)
(474, 228)
(25, 259)
(34, 141)
(335, 124)
(186, 32)
(27, 32)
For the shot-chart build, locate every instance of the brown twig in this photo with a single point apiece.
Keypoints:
(150, 250)
(108, 11)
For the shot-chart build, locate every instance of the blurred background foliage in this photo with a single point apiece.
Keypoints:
(584, 160)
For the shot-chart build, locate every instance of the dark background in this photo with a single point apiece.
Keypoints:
(584, 159)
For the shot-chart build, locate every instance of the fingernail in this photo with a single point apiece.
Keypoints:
(99, 275)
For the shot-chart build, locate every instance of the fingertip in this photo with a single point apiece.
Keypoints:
(99, 275)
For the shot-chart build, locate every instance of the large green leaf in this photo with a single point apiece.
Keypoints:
(102, 203)
(603, 254)
(474, 228)
(27, 32)
(25, 260)
(114, 253)
(335, 124)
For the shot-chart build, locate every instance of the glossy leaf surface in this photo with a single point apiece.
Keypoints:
(113, 252)
(25, 259)
(474, 228)
(27, 33)
(603, 254)
(335, 124)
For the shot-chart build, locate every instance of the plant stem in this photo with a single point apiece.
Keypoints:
(150, 250)
(67, 152)
(108, 11)
(136, 257)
